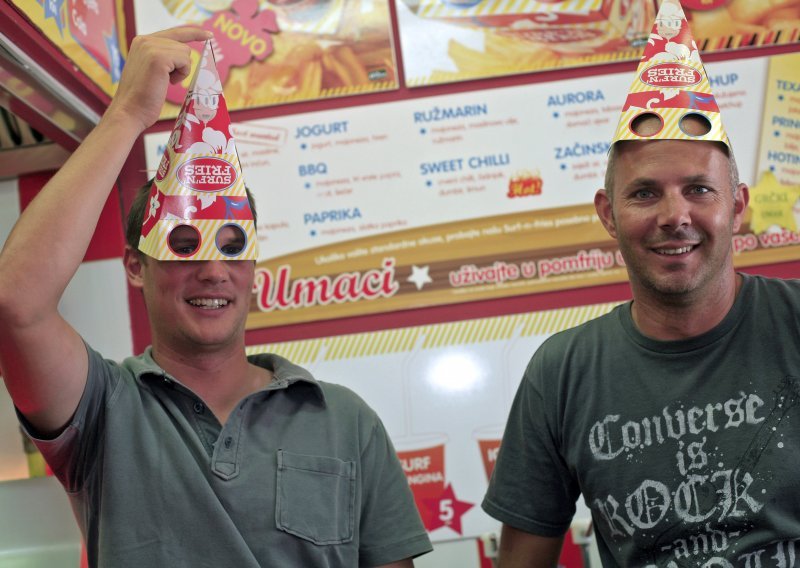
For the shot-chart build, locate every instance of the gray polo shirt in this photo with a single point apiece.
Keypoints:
(302, 474)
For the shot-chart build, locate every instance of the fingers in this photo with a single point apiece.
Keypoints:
(184, 34)
(169, 48)
(154, 61)
(181, 62)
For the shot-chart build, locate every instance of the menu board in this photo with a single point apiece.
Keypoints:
(448, 199)
(775, 200)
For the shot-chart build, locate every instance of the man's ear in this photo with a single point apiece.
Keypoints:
(134, 265)
(740, 201)
(602, 204)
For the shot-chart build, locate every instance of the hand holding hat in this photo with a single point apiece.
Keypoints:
(154, 61)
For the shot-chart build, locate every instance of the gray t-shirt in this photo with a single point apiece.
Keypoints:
(687, 452)
(301, 474)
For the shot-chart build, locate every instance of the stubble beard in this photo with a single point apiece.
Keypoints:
(678, 287)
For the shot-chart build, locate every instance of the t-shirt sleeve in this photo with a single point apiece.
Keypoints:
(71, 454)
(532, 488)
(391, 528)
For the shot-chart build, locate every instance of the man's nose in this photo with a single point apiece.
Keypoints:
(674, 210)
(212, 271)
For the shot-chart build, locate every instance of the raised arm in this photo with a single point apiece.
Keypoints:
(42, 358)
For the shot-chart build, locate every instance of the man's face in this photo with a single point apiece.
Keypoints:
(673, 215)
(197, 305)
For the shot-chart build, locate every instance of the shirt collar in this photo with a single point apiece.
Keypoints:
(284, 372)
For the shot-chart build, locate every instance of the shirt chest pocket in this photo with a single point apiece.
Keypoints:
(316, 497)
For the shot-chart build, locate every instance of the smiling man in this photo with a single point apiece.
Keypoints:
(673, 206)
(191, 454)
(672, 415)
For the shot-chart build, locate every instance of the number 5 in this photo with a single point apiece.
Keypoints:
(446, 512)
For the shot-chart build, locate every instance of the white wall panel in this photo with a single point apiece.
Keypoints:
(96, 304)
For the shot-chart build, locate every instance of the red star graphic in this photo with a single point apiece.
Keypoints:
(446, 510)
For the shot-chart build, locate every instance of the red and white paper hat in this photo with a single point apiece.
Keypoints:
(198, 207)
(671, 83)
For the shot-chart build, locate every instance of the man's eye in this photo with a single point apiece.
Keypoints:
(232, 249)
(184, 248)
(643, 194)
(700, 189)
(231, 239)
(184, 240)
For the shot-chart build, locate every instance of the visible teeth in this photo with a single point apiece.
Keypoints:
(209, 303)
(674, 251)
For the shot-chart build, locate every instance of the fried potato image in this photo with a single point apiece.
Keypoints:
(304, 69)
(749, 11)
(747, 17)
(501, 54)
(783, 18)
(716, 23)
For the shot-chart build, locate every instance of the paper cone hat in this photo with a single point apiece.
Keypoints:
(198, 208)
(671, 83)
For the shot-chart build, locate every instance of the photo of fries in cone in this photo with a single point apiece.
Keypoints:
(532, 35)
(489, 38)
(283, 51)
(731, 24)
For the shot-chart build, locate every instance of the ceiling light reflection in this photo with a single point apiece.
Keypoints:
(455, 372)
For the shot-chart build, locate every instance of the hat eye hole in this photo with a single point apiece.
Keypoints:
(646, 124)
(695, 124)
(231, 240)
(184, 240)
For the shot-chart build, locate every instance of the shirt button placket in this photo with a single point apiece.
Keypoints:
(226, 463)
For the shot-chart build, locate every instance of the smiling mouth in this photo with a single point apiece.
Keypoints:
(208, 303)
(674, 251)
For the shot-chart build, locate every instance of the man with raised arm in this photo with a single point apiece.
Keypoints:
(191, 454)
(672, 415)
